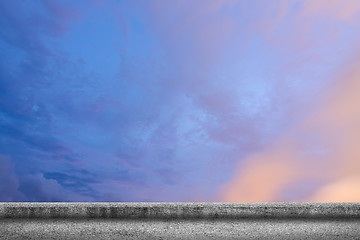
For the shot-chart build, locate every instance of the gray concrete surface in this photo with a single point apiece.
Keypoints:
(179, 221)
(180, 210)
(178, 229)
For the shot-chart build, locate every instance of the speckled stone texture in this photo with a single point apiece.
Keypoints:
(179, 221)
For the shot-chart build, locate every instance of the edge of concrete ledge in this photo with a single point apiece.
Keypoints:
(196, 210)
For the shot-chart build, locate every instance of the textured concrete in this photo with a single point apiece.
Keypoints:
(178, 229)
(180, 210)
(179, 221)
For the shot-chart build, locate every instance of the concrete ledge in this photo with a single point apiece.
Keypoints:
(180, 210)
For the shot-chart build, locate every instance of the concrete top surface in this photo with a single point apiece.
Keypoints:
(195, 210)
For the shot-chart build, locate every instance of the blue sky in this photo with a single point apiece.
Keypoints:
(175, 100)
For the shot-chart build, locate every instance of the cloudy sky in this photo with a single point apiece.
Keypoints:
(181, 100)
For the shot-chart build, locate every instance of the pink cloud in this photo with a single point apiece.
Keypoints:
(304, 25)
(324, 146)
(334, 9)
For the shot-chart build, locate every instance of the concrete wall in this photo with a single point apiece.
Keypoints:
(180, 210)
(179, 221)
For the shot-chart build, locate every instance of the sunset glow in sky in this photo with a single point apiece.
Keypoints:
(181, 100)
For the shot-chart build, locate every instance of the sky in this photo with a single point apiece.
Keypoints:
(180, 101)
